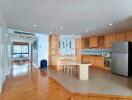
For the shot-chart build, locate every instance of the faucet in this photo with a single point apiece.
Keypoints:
(102, 53)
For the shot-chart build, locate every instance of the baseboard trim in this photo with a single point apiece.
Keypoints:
(2, 85)
(36, 66)
(0, 89)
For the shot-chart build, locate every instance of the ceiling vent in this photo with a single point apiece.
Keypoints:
(23, 33)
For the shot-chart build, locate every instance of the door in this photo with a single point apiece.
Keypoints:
(120, 63)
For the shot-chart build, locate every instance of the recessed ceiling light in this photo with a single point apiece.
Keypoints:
(50, 32)
(86, 30)
(34, 26)
(61, 27)
(110, 24)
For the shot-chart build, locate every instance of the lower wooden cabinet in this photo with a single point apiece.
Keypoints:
(91, 61)
(96, 61)
(99, 62)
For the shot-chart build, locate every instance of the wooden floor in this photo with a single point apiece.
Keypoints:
(33, 84)
(79, 96)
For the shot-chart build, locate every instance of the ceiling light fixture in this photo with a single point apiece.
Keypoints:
(110, 24)
(61, 27)
(34, 26)
(50, 32)
(86, 30)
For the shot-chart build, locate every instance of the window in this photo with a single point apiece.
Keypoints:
(20, 50)
(67, 45)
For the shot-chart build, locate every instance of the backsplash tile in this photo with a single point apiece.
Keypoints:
(95, 51)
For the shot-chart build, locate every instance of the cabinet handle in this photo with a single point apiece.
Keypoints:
(59, 44)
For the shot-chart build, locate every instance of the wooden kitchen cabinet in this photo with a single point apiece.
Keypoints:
(53, 48)
(109, 39)
(91, 61)
(85, 43)
(129, 36)
(120, 36)
(101, 41)
(57, 39)
(78, 49)
(96, 61)
(93, 42)
(99, 62)
(78, 43)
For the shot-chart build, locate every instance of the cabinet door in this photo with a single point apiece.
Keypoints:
(78, 43)
(101, 41)
(88, 60)
(93, 42)
(99, 63)
(84, 43)
(109, 39)
(91, 61)
(120, 36)
(129, 36)
(57, 38)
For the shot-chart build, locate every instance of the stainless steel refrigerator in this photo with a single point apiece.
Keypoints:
(122, 58)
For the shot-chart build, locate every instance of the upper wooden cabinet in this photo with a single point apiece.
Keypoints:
(109, 39)
(57, 38)
(101, 41)
(120, 36)
(78, 43)
(129, 36)
(93, 42)
(85, 43)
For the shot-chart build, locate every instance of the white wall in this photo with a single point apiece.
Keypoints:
(43, 47)
(34, 55)
(5, 52)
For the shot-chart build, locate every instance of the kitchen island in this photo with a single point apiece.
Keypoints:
(83, 70)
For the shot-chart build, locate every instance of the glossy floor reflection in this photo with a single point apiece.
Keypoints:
(27, 83)
(20, 68)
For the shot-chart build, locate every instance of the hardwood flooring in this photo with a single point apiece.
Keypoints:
(33, 84)
(79, 96)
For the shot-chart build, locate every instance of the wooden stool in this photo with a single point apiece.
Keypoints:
(74, 70)
(64, 68)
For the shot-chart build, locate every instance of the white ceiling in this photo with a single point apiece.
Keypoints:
(75, 16)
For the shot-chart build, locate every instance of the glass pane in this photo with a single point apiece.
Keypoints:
(16, 55)
(20, 51)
